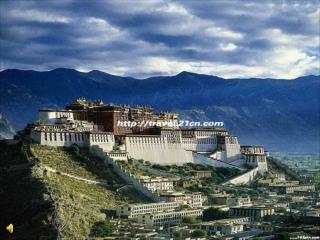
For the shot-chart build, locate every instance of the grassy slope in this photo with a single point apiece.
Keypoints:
(54, 203)
(79, 205)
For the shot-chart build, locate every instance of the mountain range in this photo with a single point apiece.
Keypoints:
(283, 115)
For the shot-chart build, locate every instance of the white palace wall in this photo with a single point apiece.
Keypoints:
(232, 148)
(156, 149)
(205, 144)
(51, 116)
(171, 148)
(58, 138)
(193, 140)
(103, 140)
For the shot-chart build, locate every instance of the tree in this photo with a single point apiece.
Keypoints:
(102, 229)
(75, 149)
(185, 206)
(283, 236)
(211, 213)
(161, 167)
(198, 233)
(317, 179)
(227, 171)
(294, 218)
(181, 234)
(189, 219)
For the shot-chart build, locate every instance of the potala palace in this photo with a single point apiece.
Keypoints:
(88, 124)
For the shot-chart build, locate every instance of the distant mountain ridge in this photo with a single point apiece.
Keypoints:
(284, 115)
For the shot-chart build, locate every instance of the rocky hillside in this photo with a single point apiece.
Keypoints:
(6, 130)
(49, 192)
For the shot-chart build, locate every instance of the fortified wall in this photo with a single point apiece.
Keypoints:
(244, 178)
(156, 149)
(124, 174)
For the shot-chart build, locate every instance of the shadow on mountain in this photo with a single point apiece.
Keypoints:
(24, 199)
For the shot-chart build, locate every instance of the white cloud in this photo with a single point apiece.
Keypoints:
(250, 39)
(158, 64)
(280, 68)
(38, 16)
(97, 31)
(173, 8)
(276, 36)
(220, 32)
(286, 62)
(229, 47)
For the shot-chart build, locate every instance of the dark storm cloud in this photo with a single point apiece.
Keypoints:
(143, 38)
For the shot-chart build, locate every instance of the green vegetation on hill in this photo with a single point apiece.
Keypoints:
(69, 192)
(205, 185)
(61, 160)
(102, 228)
(80, 204)
(317, 180)
(218, 174)
(137, 167)
(198, 233)
(189, 219)
(275, 166)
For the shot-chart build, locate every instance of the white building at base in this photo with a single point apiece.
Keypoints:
(223, 226)
(194, 200)
(163, 218)
(157, 183)
(134, 210)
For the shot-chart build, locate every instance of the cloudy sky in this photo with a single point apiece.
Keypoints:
(277, 39)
